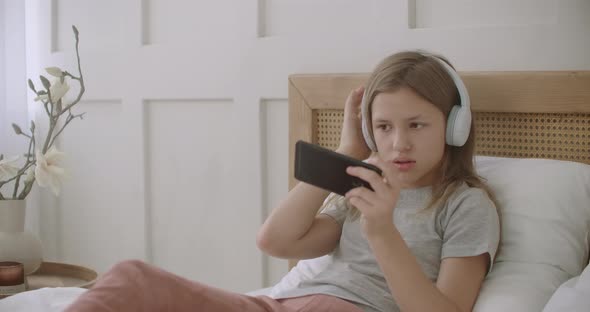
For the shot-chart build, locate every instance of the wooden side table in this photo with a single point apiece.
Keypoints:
(54, 274)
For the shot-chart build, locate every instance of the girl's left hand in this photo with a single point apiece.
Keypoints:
(376, 206)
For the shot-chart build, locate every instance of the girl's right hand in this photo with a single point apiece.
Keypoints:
(352, 142)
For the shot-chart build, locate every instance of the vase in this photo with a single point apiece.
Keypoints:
(16, 244)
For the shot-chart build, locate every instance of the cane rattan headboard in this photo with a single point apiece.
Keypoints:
(516, 114)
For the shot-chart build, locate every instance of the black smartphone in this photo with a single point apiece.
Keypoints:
(326, 169)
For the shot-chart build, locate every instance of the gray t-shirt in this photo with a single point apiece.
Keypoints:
(466, 225)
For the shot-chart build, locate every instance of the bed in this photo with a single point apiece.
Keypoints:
(533, 147)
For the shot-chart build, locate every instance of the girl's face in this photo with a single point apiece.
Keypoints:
(410, 135)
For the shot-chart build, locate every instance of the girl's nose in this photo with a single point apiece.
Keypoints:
(401, 141)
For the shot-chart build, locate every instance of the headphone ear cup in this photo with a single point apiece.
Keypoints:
(458, 126)
(365, 124)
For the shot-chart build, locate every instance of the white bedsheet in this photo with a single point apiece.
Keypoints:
(41, 300)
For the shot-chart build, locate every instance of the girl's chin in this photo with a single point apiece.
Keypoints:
(409, 182)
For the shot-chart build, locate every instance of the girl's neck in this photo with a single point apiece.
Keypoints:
(417, 193)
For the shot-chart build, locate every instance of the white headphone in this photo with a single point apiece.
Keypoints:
(458, 122)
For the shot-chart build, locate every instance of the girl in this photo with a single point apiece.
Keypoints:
(423, 240)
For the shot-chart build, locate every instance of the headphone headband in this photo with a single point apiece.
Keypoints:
(464, 100)
(458, 121)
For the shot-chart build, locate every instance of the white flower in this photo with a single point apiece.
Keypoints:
(8, 168)
(30, 175)
(54, 71)
(57, 89)
(47, 172)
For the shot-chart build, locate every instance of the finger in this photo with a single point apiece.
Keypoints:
(361, 204)
(361, 94)
(360, 91)
(364, 193)
(353, 101)
(389, 173)
(358, 94)
(372, 177)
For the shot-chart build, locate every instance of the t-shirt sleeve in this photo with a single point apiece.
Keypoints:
(335, 207)
(470, 225)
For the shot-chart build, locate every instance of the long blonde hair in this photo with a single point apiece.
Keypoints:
(424, 75)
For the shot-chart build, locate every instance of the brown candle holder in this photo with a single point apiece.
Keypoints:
(12, 278)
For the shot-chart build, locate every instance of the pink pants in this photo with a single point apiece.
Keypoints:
(136, 286)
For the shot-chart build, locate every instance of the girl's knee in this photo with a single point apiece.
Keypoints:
(129, 267)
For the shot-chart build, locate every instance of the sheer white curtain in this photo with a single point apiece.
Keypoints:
(13, 80)
(14, 89)
(3, 117)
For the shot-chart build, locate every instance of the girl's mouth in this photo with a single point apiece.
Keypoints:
(404, 165)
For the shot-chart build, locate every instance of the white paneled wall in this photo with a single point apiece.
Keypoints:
(183, 150)
(286, 18)
(99, 200)
(106, 20)
(273, 161)
(192, 210)
(476, 13)
(181, 22)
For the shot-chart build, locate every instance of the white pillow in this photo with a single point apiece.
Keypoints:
(572, 296)
(522, 287)
(545, 207)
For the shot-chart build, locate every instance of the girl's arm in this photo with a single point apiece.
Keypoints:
(457, 286)
(295, 231)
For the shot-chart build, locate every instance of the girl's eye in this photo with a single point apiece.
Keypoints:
(416, 125)
(384, 127)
